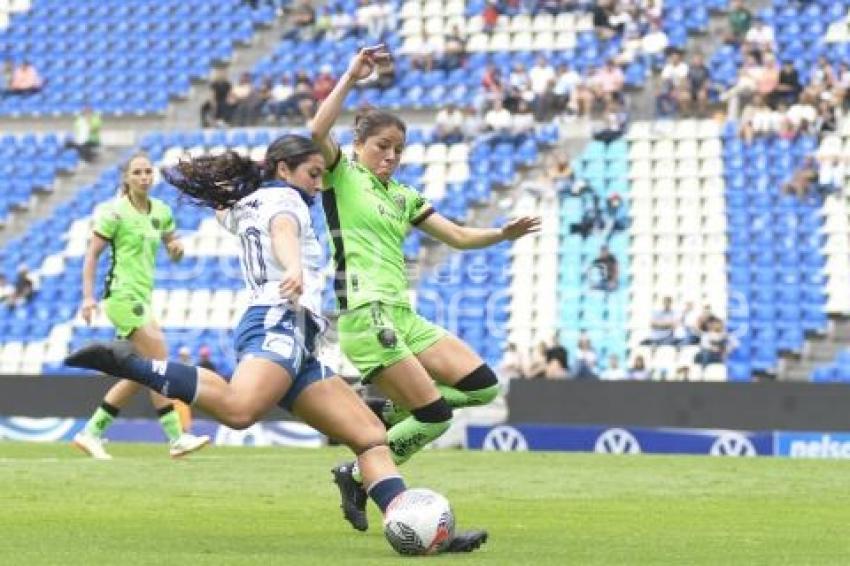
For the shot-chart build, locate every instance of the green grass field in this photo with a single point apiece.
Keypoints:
(278, 506)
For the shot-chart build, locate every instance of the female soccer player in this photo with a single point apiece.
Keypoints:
(275, 341)
(133, 225)
(421, 368)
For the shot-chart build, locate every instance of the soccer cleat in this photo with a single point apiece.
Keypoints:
(186, 444)
(466, 541)
(91, 445)
(353, 495)
(107, 357)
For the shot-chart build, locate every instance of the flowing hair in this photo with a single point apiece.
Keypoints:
(220, 181)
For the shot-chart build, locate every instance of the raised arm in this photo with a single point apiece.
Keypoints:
(468, 238)
(96, 246)
(361, 67)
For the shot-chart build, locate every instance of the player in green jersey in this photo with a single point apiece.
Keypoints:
(133, 225)
(423, 370)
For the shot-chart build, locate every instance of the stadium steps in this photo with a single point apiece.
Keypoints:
(817, 351)
(65, 187)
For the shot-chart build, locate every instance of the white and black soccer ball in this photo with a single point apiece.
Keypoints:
(419, 521)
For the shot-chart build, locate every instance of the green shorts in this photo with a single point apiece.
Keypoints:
(376, 336)
(127, 315)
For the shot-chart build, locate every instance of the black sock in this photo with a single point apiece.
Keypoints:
(385, 490)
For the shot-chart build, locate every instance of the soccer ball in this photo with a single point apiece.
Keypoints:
(419, 521)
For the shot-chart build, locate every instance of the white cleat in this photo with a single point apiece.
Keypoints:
(91, 445)
(187, 443)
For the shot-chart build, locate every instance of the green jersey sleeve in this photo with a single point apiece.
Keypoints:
(168, 224)
(417, 207)
(106, 220)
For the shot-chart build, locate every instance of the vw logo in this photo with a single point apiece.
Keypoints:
(732, 444)
(505, 439)
(617, 441)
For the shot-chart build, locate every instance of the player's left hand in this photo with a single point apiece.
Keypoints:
(175, 250)
(519, 227)
(292, 286)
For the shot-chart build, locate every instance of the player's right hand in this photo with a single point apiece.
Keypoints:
(292, 286)
(364, 62)
(88, 310)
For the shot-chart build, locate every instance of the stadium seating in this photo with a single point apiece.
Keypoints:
(121, 56)
(30, 163)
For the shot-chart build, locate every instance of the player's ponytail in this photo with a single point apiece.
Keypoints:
(221, 181)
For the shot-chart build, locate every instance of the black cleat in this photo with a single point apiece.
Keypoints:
(353, 495)
(466, 541)
(108, 357)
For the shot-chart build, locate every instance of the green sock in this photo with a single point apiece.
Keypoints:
(100, 421)
(410, 435)
(458, 399)
(170, 421)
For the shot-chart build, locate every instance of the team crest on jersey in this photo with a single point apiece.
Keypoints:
(399, 201)
(155, 223)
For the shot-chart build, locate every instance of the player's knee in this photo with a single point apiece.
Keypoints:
(241, 415)
(482, 384)
(436, 412)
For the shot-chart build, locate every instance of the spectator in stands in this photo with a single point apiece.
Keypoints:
(823, 78)
(511, 366)
(613, 372)
(614, 124)
(323, 83)
(303, 97)
(6, 291)
(663, 324)
(491, 81)
(604, 20)
(498, 120)
(746, 84)
(184, 355)
(789, 88)
(449, 124)
(607, 82)
(341, 24)
(302, 20)
(250, 107)
(687, 325)
(522, 121)
(540, 76)
(654, 43)
(205, 359)
(557, 358)
(802, 115)
(548, 104)
(705, 318)
(842, 86)
(760, 37)
(473, 124)
(675, 71)
(425, 56)
(740, 19)
(454, 50)
(220, 106)
(519, 87)
(573, 95)
(25, 80)
(821, 175)
(638, 371)
(24, 287)
(699, 83)
(605, 270)
(715, 344)
(5, 78)
(827, 121)
(585, 359)
(240, 96)
(490, 16)
(86, 138)
(562, 176)
(768, 79)
(281, 104)
(758, 119)
(537, 362)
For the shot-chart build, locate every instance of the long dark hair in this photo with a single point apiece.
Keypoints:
(369, 121)
(220, 181)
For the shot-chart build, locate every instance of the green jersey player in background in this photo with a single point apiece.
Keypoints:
(133, 225)
(424, 370)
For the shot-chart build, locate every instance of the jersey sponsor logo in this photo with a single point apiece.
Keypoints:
(400, 201)
(159, 367)
(280, 344)
(394, 215)
(732, 444)
(616, 441)
(505, 439)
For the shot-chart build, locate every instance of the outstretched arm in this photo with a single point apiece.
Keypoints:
(468, 238)
(361, 67)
